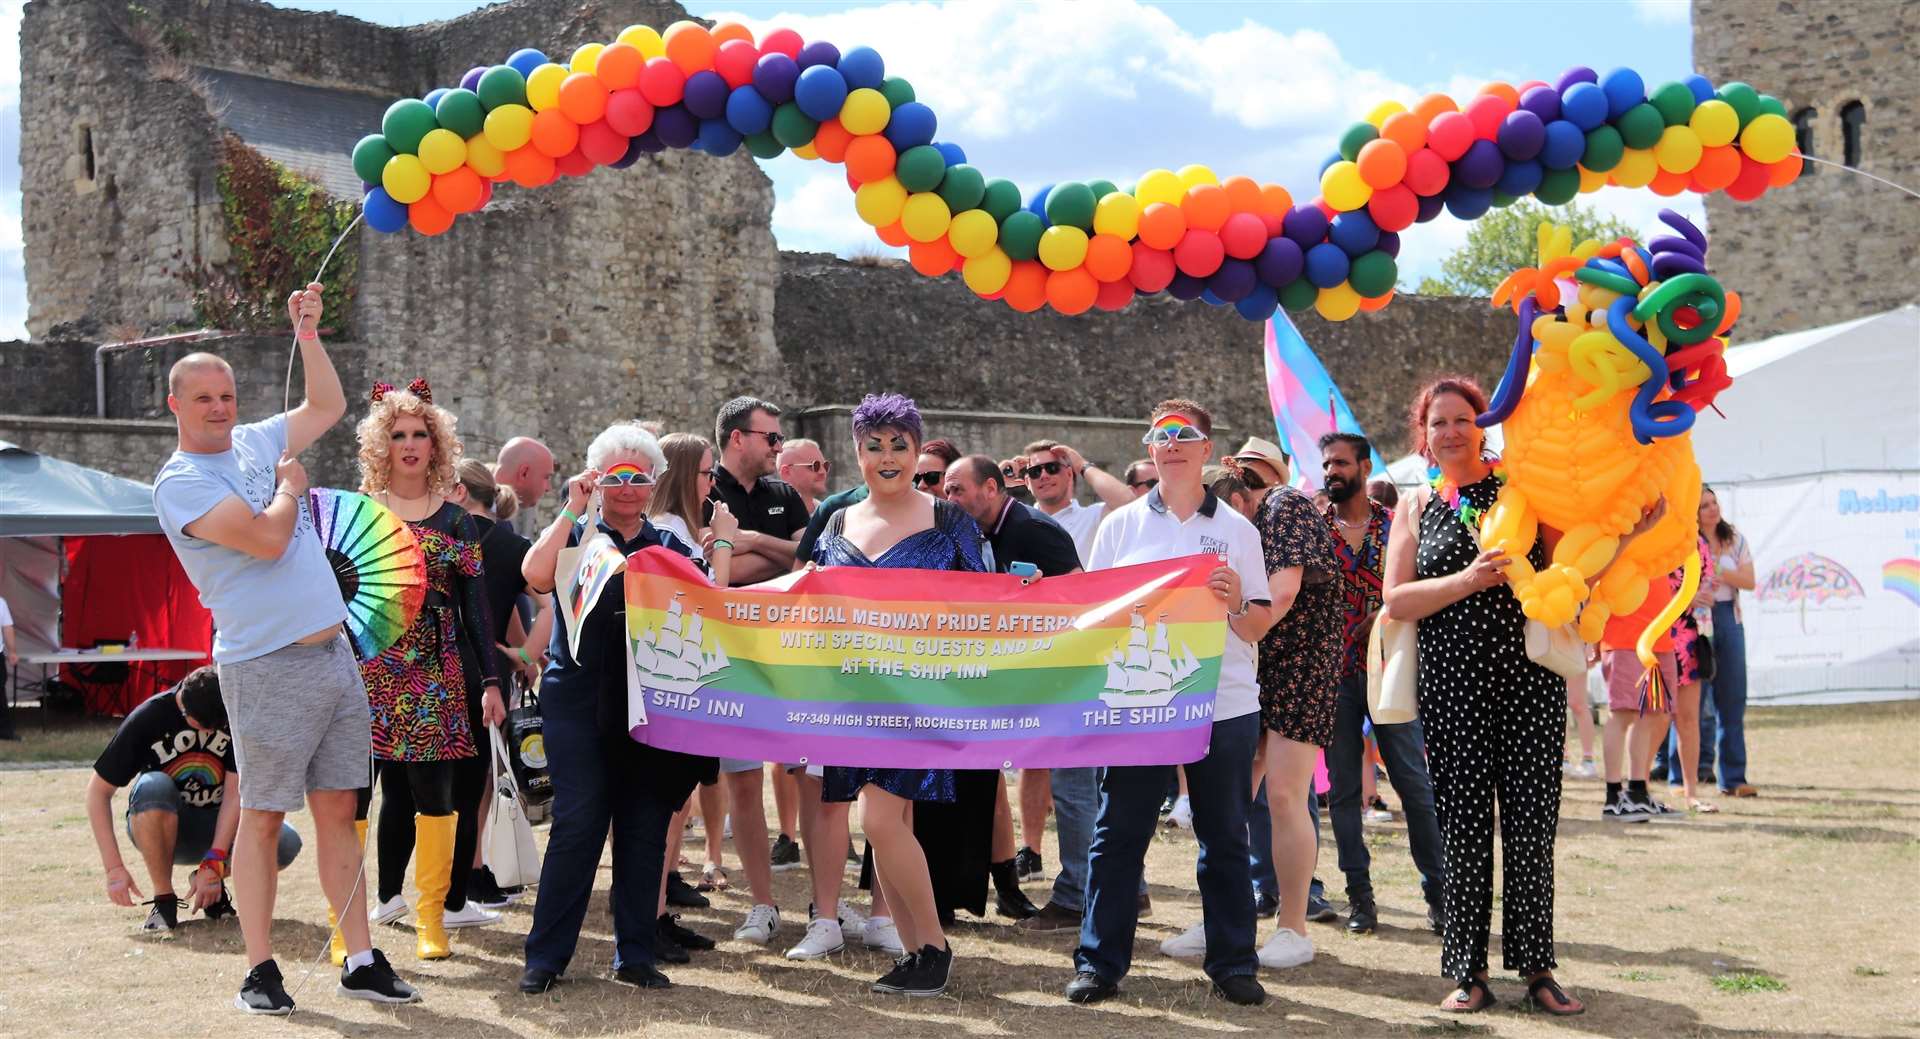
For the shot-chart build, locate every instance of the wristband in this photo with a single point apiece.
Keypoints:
(719, 543)
(521, 652)
(288, 493)
(307, 337)
(494, 682)
(1245, 604)
(568, 515)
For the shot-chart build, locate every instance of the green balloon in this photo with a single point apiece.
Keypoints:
(793, 127)
(462, 112)
(1770, 105)
(920, 168)
(1373, 273)
(502, 85)
(1640, 126)
(1674, 101)
(1502, 200)
(1070, 204)
(1558, 187)
(1355, 139)
(763, 146)
(1298, 295)
(897, 91)
(1603, 149)
(1744, 99)
(1020, 235)
(1101, 188)
(963, 187)
(370, 157)
(1001, 199)
(407, 120)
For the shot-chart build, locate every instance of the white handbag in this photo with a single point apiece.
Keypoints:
(1559, 650)
(509, 852)
(1393, 661)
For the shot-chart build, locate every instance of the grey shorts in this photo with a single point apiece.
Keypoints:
(300, 723)
(731, 765)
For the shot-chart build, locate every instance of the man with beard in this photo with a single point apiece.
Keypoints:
(1360, 527)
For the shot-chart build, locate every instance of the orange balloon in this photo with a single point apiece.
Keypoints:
(1786, 171)
(1026, 288)
(1433, 105)
(1382, 163)
(1109, 257)
(932, 258)
(1668, 183)
(529, 167)
(1503, 91)
(893, 234)
(1243, 194)
(1373, 303)
(1163, 225)
(1402, 128)
(619, 66)
(1206, 207)
(429, 217)
(554, 134)
(583, 98)
(1072, 291)
(870, 157)
(459, 191)
(1275, 200)
(1717, 168)
(690, 46)
(728, 31)
(831, 140)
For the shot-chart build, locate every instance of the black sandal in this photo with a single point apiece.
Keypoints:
(1565, 1006)
(1462, 997)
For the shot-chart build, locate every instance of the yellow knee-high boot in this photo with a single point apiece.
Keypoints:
(432, 876)
(337, 943)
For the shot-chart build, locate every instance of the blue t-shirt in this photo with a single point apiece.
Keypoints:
(258, 605)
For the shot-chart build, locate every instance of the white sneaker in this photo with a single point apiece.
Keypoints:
(881, 934)
(389, 912)
(762, 922)
(1190, 944)
(471, 915)
(1286, 949)
(823, 938)
(1379, 815)
(1182, 814)
(853, 923)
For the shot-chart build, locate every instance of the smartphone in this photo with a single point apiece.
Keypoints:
(1026, 572)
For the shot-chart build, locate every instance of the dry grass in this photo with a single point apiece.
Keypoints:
(1665, 930)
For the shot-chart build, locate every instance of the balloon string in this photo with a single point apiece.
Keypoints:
(286, 394)
(1855, 169)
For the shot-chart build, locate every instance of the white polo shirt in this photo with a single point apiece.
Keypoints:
(1080, 522)
(1144, 531)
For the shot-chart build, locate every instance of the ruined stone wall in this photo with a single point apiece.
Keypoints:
(1832, 245)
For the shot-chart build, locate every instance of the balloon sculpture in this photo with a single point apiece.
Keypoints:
(1072, 246)
(1619, 346)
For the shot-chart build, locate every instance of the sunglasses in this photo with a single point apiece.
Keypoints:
(930, 478)
(1046, 468)
(1173, 433)
(813, 467)
(626, 476)
(774, 440)
(1148, 484)
(1012, 472)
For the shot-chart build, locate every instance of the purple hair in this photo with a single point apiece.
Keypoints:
(887, 411)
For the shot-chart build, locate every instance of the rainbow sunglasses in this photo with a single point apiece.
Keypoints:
(1173, 429)
(626, 474)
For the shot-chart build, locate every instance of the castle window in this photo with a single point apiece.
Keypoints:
(1853, 116)
(1803, 121)
(87, 156)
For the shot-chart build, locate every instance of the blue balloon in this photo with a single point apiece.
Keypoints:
(525, 60)
(773, 76)
(676, 127)
(706, 95)
(1038, 204)
(1281, 262)
(1564, 145)
(1185, 287)
(1233, 280)
(749, 113)
(1468, 203)
(648, 142)
(382, 212)
(1208, 297)
(1701, 87)
(1327, 265)
(433, 96)
(1354, 232)
(1520, 178)
(634, 151)
(1390, 242)
(820, 92)
(862, 67)
(1259, 304)
(912, 125)
(1624, 89)
(1332, 157)
(1585, 105)
(717, 138)
(949, 151)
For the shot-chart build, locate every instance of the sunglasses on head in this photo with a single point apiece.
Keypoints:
(1045, 468)
(1174, 432)
(1012, 472)
(813, 467)
(626, 476)
(930, 478)
(1148, 484)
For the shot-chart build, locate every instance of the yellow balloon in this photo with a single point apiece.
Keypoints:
(988, 272)
(1195, 175)
(1117, 213)
(1337, 303)
(406, 179)
(925, 216)
(645, 38)
(1716, 122)
(1384, 111)
(586, 57)
(1637, 168)
(974, 233)
(442, 151)
(1063, 247)
(806, 151)
(1768, 139)
(1678, 150)
(509, 127)
(1343, 187)
(1590, 181)
(879, 201)
(485, 159)
(543, 86)
(1159, 186)
(865, 111)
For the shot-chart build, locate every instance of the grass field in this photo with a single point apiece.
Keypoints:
(1789, 914)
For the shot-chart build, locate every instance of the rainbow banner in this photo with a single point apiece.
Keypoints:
(925, 669)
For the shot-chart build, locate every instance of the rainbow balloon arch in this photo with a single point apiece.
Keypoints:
(1073, 246)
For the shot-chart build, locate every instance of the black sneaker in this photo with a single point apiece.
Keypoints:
(484, 891)
(222, 908)
(1319, 910)
(684, 937)
(893, 980)
(1623, 809)
(680, 893)
(929, 975)
(785, 854)
(1265, 904)
(1656, 811)
(377, 983)
(642, 975)
(1240, 989)
(1028, 864)
(1362, 916)
(264, 991)
(164, 917)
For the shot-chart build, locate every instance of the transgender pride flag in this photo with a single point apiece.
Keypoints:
(1306, 403)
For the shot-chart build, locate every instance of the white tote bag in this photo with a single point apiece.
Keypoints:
(510, 852)
(1393, 654)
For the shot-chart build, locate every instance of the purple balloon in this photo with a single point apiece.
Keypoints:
(1669, 243)
(1306, 226)
(1543, 101)
(1430, 206)
(1667, 265)
(635, 148)
(819, 52)
(471, 81)
(649, 141)
(675, 125)
(706, 94)
(773, 76)
(1480, 167)
(1233, 280)
(1185, 286)
(1281, 262)
(1522, 134)
(1576, 74)
(1389, 242)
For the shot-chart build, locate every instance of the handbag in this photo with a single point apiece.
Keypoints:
(510, 852)
(1559, 650)
(1393, 655)
(527, 750)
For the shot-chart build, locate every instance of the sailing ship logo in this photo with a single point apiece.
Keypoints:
(1144, 673)
(674, 657)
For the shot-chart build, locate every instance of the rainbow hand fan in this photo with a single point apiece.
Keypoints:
(381, 570)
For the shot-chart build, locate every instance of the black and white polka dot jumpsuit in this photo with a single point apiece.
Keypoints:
(1496, 725)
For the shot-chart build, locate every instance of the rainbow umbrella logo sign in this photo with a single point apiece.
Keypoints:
(1809, 580)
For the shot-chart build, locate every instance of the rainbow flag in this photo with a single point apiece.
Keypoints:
(926, 669)
(1306, 403)
(1902, 577)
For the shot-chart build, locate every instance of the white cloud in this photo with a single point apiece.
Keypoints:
(1663, 12)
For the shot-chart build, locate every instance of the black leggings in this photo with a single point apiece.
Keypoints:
(426, 788)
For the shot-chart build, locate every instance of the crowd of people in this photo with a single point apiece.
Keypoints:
(291, 717)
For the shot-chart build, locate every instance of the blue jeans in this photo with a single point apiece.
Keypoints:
(194, 825)
(1405, 754)
(1130, 797)
(1724, 740)
(1260, 840)
(1076, 803)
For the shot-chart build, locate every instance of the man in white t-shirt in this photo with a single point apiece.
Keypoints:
(1180, 517)
(1052, 471)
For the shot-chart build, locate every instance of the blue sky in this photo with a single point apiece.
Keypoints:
(1045, 91)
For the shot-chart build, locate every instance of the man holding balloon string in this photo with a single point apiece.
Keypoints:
(291, 684)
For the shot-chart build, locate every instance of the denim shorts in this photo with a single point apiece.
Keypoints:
(155, 792)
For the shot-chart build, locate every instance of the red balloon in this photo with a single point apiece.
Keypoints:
(1486, 113)
(1325, 210)
(1243, 235)
(1449, 135)
(574, 164)
(734, 61)
(629, 112)
(1427, 173)
(1199, 253)
(1273, 222)
(662, 83)
(1751, 183)
(1394, 208)
(785, 41)
(1114, 295)
(601, 143)
(486, 194)
(1152, 268)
